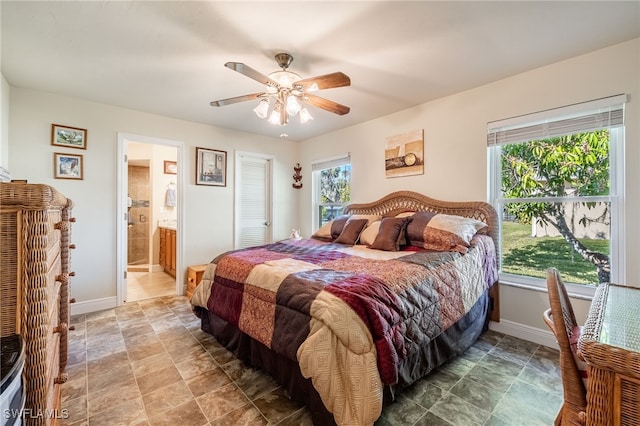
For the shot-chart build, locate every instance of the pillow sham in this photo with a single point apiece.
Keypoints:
(332, 229)
(403, 239)
(368, 236)
(442, 232)
(337, 226)
(351, 231)
(370, 217)
(390, 233)
(405, 214)
(324, 232)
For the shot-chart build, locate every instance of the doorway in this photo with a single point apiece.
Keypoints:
(150, 199)
(253, 197)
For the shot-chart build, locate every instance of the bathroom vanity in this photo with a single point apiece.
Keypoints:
(168, 247)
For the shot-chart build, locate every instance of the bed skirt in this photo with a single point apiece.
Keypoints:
(448, 345)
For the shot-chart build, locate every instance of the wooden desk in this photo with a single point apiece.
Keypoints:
(610, 344)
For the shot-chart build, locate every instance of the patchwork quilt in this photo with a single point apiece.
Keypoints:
(349, 315)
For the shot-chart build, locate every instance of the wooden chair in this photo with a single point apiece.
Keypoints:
(562, 322)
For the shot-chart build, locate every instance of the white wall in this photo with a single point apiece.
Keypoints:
(208, 221)
(455, 150)
(455, 129)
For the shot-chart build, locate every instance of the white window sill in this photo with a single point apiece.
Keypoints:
(575, 291)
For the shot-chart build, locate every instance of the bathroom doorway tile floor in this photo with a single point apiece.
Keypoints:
(145, 285)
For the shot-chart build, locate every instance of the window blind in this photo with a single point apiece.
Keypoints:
(331, 162)
(578, 118)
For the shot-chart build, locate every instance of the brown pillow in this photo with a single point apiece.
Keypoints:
(390, 233)
(351, 231)
(337, 225)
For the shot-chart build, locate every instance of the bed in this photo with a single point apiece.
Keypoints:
(372, 302)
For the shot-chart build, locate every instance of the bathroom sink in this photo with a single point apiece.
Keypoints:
(167, 223)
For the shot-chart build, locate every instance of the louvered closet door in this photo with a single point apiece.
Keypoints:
(253, 201)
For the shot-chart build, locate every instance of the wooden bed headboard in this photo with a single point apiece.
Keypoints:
(402, 201)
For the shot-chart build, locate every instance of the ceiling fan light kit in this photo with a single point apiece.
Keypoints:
(305, 115)
(262, 109)
(289, 91)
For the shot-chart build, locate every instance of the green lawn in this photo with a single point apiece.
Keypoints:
(523, 254)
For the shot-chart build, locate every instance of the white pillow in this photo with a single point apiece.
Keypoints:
(369, 234)
(324, 231)
(370, 217)
(405, 214)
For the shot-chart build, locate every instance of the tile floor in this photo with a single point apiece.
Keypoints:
(148, 363)
(144, 285)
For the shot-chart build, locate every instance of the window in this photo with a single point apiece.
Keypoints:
(332, 188)
(556, 180)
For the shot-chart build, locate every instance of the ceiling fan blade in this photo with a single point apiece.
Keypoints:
(251, 73)
(327, 81)
(327, 104)
(229, 101)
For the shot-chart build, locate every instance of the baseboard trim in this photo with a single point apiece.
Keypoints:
(521, 331)
(95, 305)
(526, 332)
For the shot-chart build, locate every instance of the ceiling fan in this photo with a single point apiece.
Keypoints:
(288, 91)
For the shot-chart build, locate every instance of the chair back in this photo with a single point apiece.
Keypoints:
(562, 322)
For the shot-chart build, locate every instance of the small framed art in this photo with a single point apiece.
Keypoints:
(67, 166)
(68, 137)
(211, 167)
(170, 167)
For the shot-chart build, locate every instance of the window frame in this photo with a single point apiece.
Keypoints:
(615, 197)
(317, 167)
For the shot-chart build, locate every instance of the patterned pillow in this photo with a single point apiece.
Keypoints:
(351, 231)
(390, 233)
(442, 232)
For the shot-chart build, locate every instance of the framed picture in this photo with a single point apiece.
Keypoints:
(69, 137)
(67, 166)
(211, 167)
(170, 167)
(404, 154)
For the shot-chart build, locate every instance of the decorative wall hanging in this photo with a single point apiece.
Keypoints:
(297, 177)
(69, 137)
(211, 167)
(67, 166)
(404, 154)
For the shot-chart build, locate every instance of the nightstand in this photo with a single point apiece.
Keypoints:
(194, 275)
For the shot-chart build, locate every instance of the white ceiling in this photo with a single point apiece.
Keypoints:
(168, 57)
